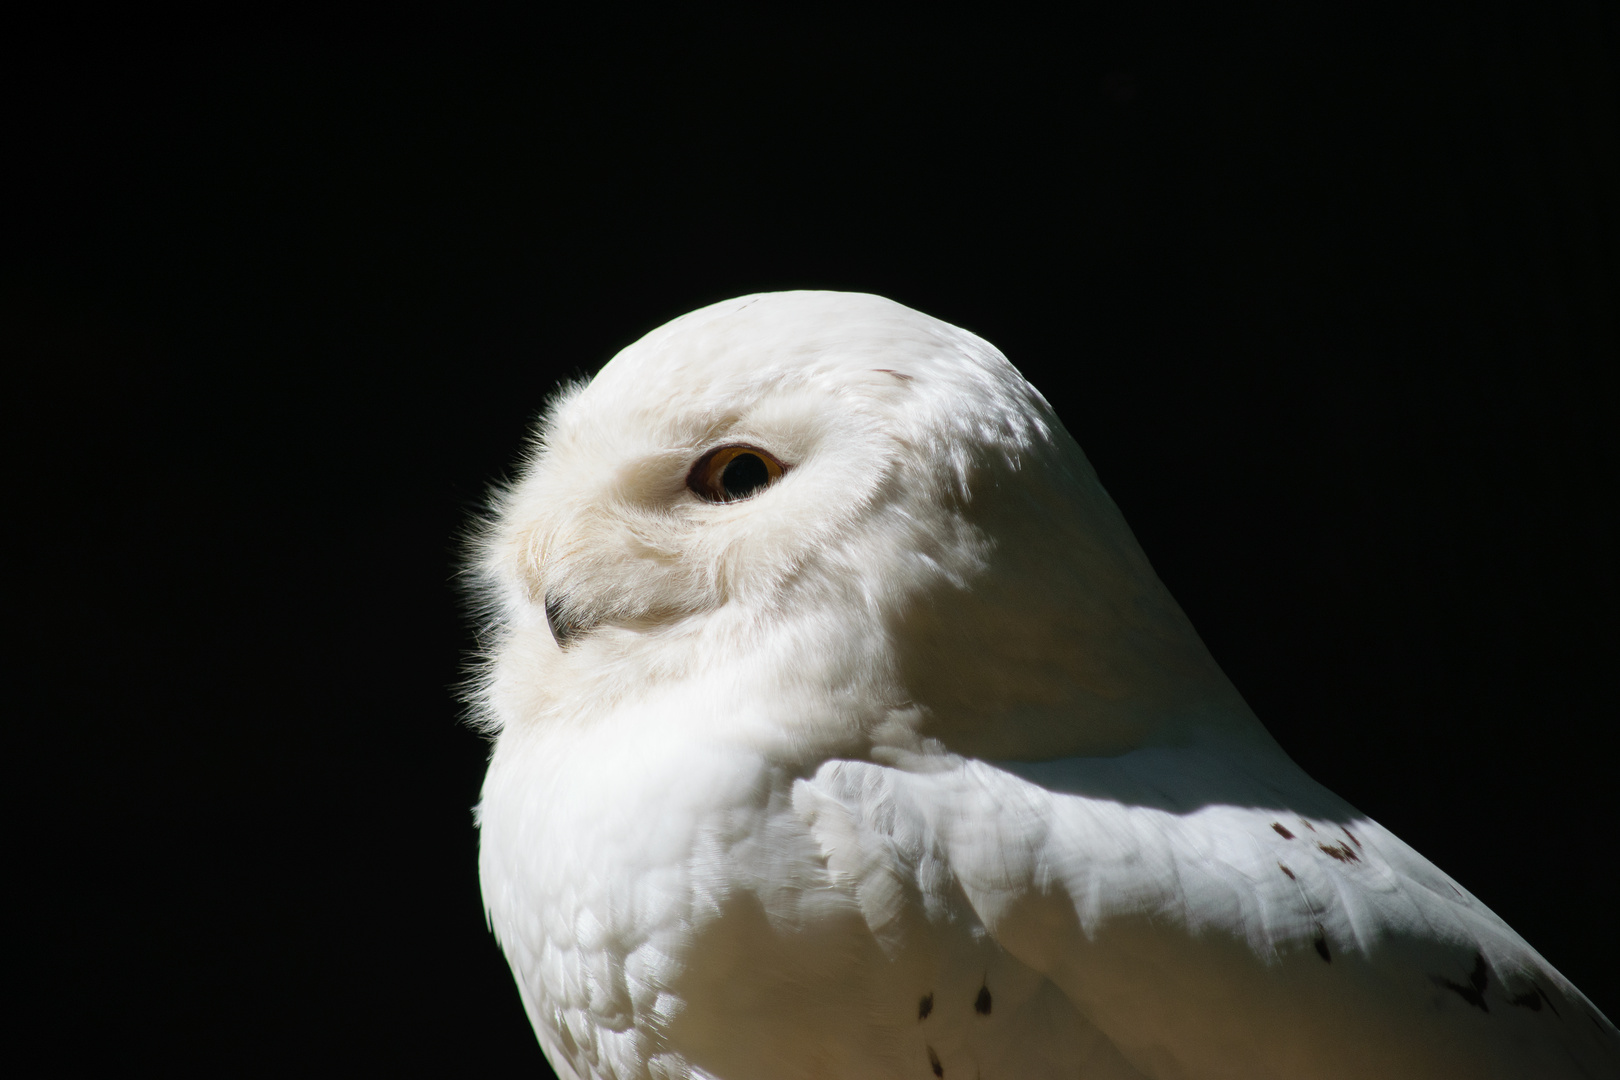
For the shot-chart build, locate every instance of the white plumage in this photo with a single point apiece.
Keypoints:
(882, 752)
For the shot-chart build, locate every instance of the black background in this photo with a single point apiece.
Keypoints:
(1329, 299)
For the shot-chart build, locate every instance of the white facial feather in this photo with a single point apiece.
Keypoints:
(907, 764)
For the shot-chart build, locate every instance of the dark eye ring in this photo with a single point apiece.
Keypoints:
(729, 473)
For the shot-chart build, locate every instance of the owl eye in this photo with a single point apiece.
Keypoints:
(728, 473)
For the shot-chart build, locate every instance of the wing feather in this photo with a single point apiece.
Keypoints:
(1212, 914)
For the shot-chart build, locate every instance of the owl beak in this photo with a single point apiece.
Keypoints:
(563, 629)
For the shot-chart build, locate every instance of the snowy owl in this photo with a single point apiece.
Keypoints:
(842, 729)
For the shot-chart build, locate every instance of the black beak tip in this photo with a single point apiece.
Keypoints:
(562, 629)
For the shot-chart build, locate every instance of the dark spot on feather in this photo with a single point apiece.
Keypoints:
(902, 376)
(1341, 852)
(1282, 832)
(1322, 946)
(981, 1004)
(1352, 836)
(1530, 999)
(1474, 992)
(925, 1006)
(1307, 824)
(1287, 871)
(933, 1062)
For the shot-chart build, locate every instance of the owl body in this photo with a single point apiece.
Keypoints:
(843, 730)
(656, 934)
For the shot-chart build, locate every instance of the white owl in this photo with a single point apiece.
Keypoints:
(843, 730)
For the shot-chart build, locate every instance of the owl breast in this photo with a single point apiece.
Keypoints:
(674, 911)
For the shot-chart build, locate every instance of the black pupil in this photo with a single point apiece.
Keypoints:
(744, 475)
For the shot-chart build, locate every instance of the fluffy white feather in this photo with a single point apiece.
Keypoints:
(907, 765)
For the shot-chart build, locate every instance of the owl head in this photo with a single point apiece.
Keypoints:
(834, 493)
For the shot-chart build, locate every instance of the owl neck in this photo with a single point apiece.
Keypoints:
(1061, 641)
